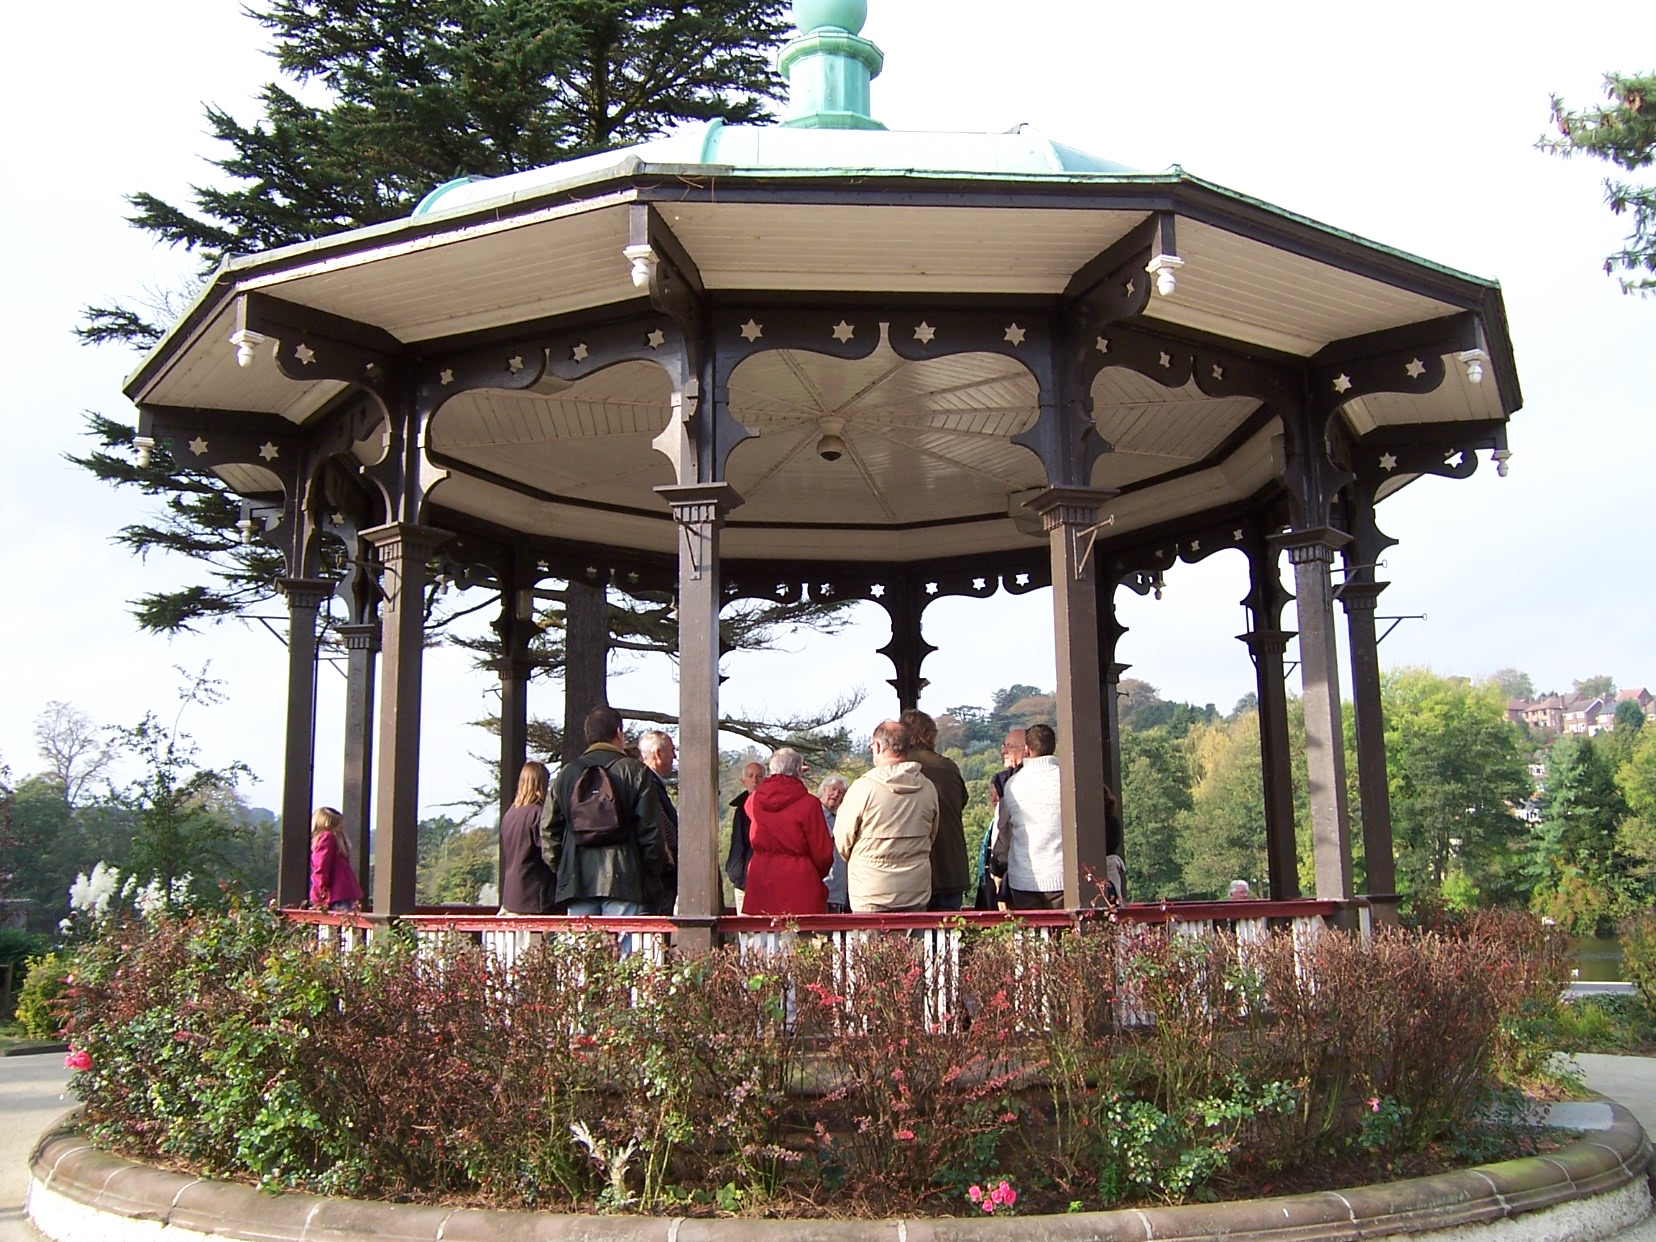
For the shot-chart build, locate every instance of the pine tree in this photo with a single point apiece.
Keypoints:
(423, 91)
(1621, 130)
(420, 92)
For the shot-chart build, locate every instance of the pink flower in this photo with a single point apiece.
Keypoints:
(1374, 1103)
(988, 1205)
(906, 1136)
(1010, 1197)
(975, 1193)
(1009, 1117)
(78, 1059)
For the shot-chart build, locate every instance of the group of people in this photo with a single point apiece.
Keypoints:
(602, 838)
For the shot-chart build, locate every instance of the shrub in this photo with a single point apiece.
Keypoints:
(1638, 945)
(39, 1001)
(574, 1077)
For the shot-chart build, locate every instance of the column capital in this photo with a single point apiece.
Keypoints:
(699, 504)
(1360, 596)
(1070, 506)
(405, 539)
(1315, 543)
(1272, 641)
(306, 593)
(1113, 672)
(364, 637)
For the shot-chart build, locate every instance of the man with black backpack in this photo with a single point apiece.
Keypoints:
(605, 835)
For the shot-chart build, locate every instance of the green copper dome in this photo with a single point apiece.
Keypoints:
(847, 15)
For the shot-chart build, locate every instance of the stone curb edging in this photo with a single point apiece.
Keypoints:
(68, 1173)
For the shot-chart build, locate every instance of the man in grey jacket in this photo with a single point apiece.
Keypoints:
(885, 827)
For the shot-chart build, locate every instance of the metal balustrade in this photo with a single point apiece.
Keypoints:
(936, 939)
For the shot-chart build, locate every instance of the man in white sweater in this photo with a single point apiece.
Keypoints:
(1029, 830)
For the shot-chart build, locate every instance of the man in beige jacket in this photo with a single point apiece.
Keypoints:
(885, 827)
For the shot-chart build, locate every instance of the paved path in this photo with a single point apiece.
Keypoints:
(31, 1098)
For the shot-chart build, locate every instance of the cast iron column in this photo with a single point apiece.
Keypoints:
(1312, 553)
(1066, 512)
(699, 510)
(515, 629)
(1110, 631)
(1276, 768)
(1267, 641)
(1373, 788)
(304, 597)
(361, 646)
(404, 549)
(586, 659)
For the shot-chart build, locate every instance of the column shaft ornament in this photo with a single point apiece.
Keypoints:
(699, 510)
(404, 550)
(304, 596)
(1066, 513)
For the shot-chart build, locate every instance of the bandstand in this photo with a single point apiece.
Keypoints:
(827, 360)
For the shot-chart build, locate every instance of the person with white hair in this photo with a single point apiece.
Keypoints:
(792, 850)
(657, 753)
(831, 793)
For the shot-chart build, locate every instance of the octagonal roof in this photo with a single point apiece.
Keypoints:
(830, 209)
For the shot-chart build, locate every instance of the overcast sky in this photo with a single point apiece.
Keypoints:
(1410, 123)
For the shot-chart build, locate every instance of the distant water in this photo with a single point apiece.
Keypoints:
(1599, 959)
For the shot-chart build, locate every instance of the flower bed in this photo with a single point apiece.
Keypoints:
(1120, 1065)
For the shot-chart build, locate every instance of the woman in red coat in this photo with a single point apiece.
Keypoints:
(792, 850)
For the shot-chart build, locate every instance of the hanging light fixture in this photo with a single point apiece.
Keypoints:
(144, 446)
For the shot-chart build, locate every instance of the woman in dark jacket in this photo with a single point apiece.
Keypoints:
(792, 850)
(526, 882)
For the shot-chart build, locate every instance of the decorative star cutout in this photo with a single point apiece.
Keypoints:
(752, 331)
(1416, 368)
(269, 451)
(304, 353)
(1129, 288)
(1237, 534)
(1015, 335)
(1342, 383)
(1103, 345)
(1166, 359)
(447, 377)
(1218, 371)
(514, 364)
(1195, 545)
(580, 352)
(338, 519)
(656, 339)
(1388, 462)
(877, 591)
(198, 446)
(843, 331)
(925, 333)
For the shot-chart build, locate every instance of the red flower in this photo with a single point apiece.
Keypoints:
(78, 1059)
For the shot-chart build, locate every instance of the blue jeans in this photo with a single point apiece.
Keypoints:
(602, 907)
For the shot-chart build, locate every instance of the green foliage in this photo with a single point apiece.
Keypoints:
(39, 1001)
(1456, 769)
(1638, 945)
(1155, 803)
(1636, 779)
(180, 811)
(1514, 683)
(455, 861)
(1224, 838)
(1581, 878)
(1622, 131)
(1612, 1024)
